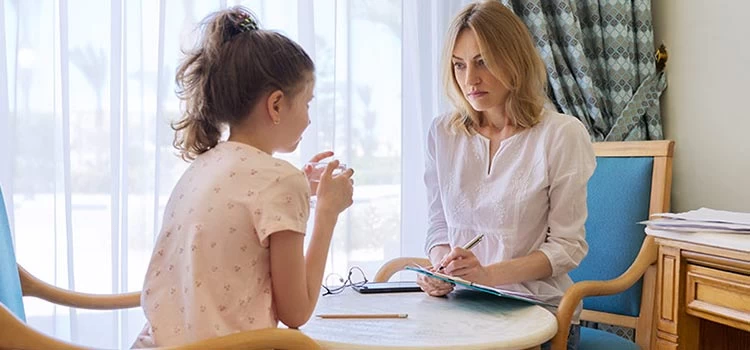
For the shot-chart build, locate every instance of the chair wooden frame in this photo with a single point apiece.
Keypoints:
(397, 264)
(15, 334)
(643, 266)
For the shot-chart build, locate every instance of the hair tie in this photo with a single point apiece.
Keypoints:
(247, 24)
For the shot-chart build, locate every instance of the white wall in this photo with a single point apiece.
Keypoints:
(706, 106)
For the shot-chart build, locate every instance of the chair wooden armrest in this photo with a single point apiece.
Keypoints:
(397, 264)
(15, 334)
(34, 287)
(270, 338)
(646, 257)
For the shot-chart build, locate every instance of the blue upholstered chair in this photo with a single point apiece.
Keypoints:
(16, 282)
(10, 284)
(616, 279)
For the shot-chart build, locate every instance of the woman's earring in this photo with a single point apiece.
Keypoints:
(276, 122)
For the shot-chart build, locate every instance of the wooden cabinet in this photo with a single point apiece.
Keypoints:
(702, 293)
(719, 296)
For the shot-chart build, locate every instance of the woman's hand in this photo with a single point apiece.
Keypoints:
(308, 169)
(463, 263)
(433, 286)
(334, 191)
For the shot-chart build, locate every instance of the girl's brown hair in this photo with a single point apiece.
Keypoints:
(233, 65)
(507, 49)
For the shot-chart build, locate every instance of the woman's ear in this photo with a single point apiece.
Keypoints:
(274, 105)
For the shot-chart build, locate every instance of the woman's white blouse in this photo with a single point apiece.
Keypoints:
(532, 196)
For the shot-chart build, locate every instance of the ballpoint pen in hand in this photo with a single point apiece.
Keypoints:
(468, 246)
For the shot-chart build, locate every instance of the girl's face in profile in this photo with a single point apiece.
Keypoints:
(297, 118)
(479, 86)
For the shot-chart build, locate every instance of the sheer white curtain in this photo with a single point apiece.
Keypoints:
(86, 162)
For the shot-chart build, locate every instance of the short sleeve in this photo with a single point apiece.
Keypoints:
(283, 205)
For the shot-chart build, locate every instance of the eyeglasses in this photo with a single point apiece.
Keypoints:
(355, 278)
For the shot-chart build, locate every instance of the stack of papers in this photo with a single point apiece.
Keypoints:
(703, 219)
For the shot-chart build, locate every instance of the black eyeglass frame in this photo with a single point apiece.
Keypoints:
(347, 283)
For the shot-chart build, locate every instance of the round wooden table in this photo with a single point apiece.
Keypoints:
(463, 320)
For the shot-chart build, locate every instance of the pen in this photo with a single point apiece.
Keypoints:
(468, 246)
(341, 316)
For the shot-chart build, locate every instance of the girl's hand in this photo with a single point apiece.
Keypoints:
(308, 169)
(433, 286)
(463, 263)
(334, 192)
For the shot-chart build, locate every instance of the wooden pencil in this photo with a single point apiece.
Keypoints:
(341, 316)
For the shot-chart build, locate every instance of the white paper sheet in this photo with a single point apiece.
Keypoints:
(703, 219)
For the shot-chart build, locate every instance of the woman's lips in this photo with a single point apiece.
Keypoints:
(477, 94)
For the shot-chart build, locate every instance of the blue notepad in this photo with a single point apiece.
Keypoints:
(476, 286)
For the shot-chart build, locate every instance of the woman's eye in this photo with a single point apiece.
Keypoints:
(458, 65)
(480, 63)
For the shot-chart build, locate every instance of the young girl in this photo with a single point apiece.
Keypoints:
(229, 256)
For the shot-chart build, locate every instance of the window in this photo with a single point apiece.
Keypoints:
(90, 165)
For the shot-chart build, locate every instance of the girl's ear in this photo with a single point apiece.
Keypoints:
(274, 105)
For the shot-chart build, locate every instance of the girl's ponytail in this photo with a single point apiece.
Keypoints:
(194, 136)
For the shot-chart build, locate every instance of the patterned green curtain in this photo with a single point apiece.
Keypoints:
(600, 63)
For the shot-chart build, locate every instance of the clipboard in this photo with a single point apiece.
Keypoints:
(479, 287)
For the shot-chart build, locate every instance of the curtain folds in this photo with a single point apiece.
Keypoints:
(600, 63)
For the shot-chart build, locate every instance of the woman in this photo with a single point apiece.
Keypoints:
(504, 166)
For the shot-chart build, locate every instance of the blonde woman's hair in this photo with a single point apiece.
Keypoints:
(229, 70)
(506, 47)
